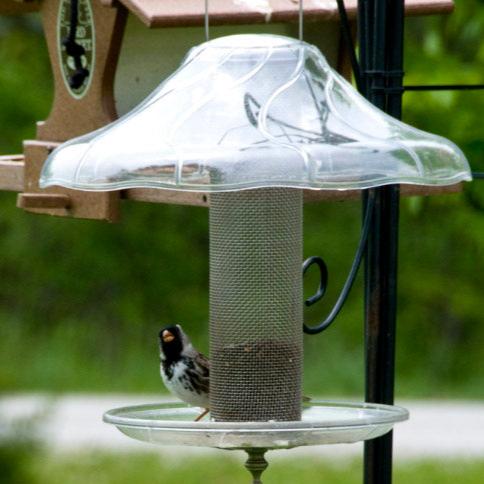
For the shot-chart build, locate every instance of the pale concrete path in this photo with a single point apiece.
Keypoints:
(436, 429)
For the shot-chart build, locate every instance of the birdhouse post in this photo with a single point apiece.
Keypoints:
(83, 50)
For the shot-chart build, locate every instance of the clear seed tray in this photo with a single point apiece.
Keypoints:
(323, 422)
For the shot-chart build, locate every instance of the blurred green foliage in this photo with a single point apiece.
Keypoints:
(81, 301)
(15, 458)
(19, 447)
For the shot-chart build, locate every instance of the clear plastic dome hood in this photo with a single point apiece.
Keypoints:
(250, 111)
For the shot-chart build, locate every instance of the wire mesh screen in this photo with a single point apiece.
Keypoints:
(256, 305)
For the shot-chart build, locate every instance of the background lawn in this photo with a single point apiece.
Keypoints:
(39, 468)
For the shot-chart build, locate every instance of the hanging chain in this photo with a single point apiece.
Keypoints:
(75, 50)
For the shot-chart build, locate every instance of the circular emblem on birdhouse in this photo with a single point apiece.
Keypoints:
(76, 45)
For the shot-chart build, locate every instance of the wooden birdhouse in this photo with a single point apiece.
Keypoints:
(108, 55)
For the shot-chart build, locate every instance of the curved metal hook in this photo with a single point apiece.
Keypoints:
(323, 278)
(370, 203)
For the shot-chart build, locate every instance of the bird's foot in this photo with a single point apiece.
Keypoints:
(202, 415)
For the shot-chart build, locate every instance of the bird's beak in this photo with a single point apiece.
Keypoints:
(167, 337)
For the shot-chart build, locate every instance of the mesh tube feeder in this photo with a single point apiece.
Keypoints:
(252, 120)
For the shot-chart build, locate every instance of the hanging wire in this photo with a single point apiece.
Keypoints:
(207, 25)
(301, 19)
(348, 39)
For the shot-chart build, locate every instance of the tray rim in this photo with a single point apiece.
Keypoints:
(394, 414)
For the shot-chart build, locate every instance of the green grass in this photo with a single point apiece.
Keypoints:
(102, 468)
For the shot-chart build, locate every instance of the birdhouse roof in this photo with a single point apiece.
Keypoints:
(191, 12)
(180, 13)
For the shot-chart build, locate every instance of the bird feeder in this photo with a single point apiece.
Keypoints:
(252, 120)
(251, 126)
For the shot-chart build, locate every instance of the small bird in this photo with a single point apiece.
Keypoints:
(184, 370)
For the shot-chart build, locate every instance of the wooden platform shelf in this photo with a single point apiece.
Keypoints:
(12, 179)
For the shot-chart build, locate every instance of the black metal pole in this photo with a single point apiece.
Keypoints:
(380, 314)
(380, 32)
